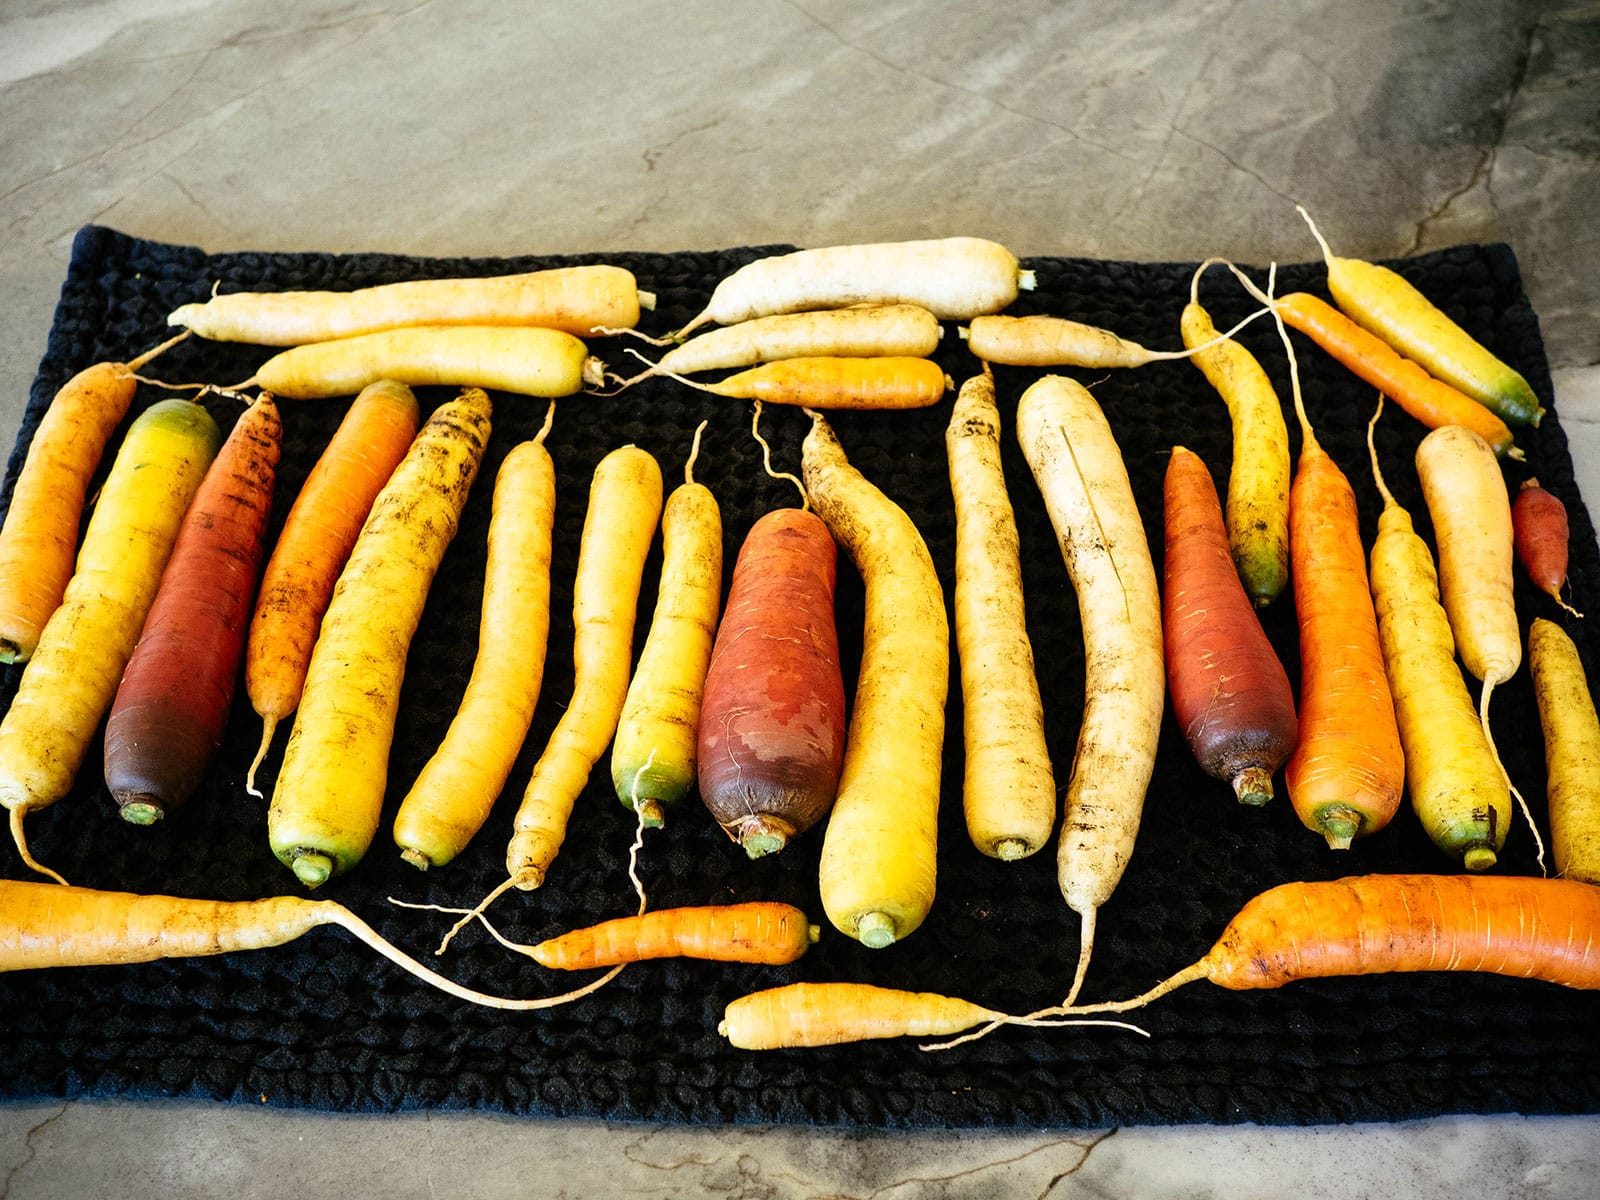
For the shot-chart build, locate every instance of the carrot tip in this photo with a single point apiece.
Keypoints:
(875, 930)
(1478, 858)
(1012, 848)
(1253, 786)
(312, 868)
(417, 859)
(761, 834)
(142, 810)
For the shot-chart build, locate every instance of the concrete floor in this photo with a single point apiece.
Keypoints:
(1145, 130)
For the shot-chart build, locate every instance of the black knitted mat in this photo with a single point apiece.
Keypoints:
(323, 1023)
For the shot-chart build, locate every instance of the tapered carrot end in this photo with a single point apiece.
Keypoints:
(21, 841)
(1253, 786)
(269, 725)
(1554, 593)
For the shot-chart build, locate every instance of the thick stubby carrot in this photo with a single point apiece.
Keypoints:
(172, 705)
(330, 790)
(955, 278)
(1257, 512)
(40, 534)
(772, 721)
(759, 931)
(1385, 303)
(581, 300)
(1541, 533)
(72, 676)
(1008, 791)
(850, 383)
(1456, 786)
(316, 538)
(1571, 750)
(1229, 692)
(43, 925)
(1431, 401)
(1520, 926)
(879, 852)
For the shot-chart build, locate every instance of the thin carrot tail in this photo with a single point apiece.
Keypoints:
(1085, 949)
(1194, 971)
(1494, 751)
(20, 838)
(510, 882)
(135, 363)
(1033, 1021)
(609, 331)
(269, 726)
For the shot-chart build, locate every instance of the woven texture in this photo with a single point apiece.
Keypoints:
(324, 1023)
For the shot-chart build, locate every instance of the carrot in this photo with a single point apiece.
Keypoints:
(879, 852)
(754, 932)
(581, 300)
(41, 523)
(624, 507)
(1466, 498)
(1456, 786)
(1008, 789)
(312, 547)
(1379, 924)
(862, 383)
(1431, 401)
(171, 708)
(1540, 533)
(955, 278)
(452, 795)
(1384, 303)
(1571, 750)
(772, 730)
(70, 679)
(1080, 472)
(42, 925)
(826, 1014)
(653, 753)
(1257, 512)
(1230, 693)
(862, 330)
(525, 359)
(330, 789)
(1047, 341)
(1347, 772)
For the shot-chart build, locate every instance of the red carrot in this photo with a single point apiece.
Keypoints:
(1539, 524)
(1229, 691)
(172, 705)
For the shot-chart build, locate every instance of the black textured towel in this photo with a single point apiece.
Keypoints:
(324, 1023)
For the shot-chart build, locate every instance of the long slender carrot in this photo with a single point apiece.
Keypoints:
(758, 931)
(172, 705)
(886, 382)
(317, 535)
(40, 534)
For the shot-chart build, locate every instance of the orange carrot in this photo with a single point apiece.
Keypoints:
(1514, 925)
(172, 705)
(754, 932)
(40, 536)
(886, 382)
(1540, 521)
(1230, 693)
(317, 536)
(1429, 400)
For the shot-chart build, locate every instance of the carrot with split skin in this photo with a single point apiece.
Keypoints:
(1519, 926)
(1347, 772)
(1539, 525)
(829, 383)
(312, 547)
(40, 534)
(1230, 693)
(70, 679)
(171, 708)
(581, 300)
(455, 790)
(1457, 788)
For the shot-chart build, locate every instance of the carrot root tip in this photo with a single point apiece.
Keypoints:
(417, 859)
(1253, 786)
(1340, 826)
(1012, 848)
(761, 834)
(312, 868)
(142, 810)
(1478, 858)
(876, 930)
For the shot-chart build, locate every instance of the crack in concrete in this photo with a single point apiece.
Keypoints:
(27, 1142)
(653, 154)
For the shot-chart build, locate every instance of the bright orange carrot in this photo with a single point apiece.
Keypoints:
(1377, 924)
(754, 932)
(172, 705)
(1429, 400)
(885, 382)
(40, 536)
(317, 536)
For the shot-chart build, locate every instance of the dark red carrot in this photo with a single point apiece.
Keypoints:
(172, 705)
(1540, 532)
(771, 739)
(1229, 691)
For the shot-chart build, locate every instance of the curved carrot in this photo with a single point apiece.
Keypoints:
(1431, 401)
(172, 705)
(298, 580)
(755, 932)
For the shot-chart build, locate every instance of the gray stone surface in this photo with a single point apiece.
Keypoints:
(1149, 130)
